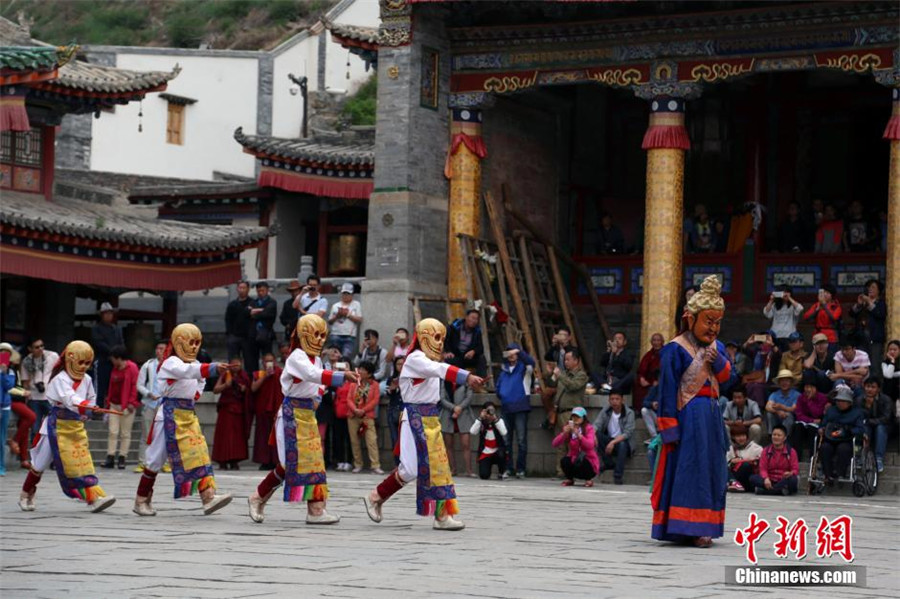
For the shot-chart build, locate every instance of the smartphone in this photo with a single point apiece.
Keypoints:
(341, 366)
(759, 338)
(778, 294)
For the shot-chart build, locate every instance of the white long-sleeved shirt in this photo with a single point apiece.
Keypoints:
(38, 371)
(305, 378)
(64, 392)
(146, 384)
(890, 371)
(420, 379)
(183, 380)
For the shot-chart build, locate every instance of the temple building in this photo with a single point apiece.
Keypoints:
(61, 239)
(692, 126)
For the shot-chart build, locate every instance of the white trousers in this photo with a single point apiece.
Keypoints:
(409, 459)
(156, 455)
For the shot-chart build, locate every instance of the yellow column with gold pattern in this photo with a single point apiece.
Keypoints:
(892, 282)
(665, 141)
(463, 168)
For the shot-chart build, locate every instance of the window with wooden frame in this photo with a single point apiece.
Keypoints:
(21, 160)
(175, 124)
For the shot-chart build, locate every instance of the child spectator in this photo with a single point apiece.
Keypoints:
(743, 459)
(513, 389)
(582, 460)
(491, 431)
(779, 469)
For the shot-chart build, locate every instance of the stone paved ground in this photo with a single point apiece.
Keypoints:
(525, 539)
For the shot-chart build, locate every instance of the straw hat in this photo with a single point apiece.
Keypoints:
(784, 374)
(14, 356)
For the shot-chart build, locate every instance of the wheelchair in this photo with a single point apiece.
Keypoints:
(862, 475)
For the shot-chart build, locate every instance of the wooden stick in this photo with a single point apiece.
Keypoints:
(532, 299)
(102, 410)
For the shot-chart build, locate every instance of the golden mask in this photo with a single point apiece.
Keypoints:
(431, 333)
(186, 340)
(79, 357)
(312, 332)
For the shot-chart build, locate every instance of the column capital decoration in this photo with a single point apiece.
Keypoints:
(465, 132)
(396, 23)
(471, 100)
(664, 82)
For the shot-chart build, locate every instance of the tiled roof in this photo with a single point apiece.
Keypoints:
(367, 35)
(224, 189)
(304, 150)
(28, 57)
(129, 225)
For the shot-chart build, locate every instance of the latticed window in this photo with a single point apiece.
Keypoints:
(175, 124)
(21, 160)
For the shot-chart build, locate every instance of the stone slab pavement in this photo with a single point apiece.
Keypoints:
(524, 539)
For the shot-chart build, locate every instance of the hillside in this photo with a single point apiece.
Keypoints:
(220, 24)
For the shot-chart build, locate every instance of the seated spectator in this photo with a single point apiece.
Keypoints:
(779, 469)
(739, 411)
(618, 362)
(609, 238)
(721, 230)
(233, 416)
(463, 346)
(830, 232)
(513, 390)
(680, 323)
(890, 369)
(702, 235)
(859, 233)
(811, 406)
(851, 365)
(794, 234)
(820, 363)
(826, 314)
(793, 358)
(764, 359)
(737, 358)
(648, 373)
(782, 402)
(743, 459)
(785, 313)
(456, 420)
(581, 460)
(615, 427)
(842, 422)
(879, 412)
(491, 432)
(362, 400)
(871, 309)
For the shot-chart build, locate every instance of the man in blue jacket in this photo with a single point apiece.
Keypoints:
(514, 390)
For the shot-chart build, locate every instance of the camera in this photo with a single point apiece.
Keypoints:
(490, 411)
(778, 294)
(39, 386)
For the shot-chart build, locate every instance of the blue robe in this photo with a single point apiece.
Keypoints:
(691, 476)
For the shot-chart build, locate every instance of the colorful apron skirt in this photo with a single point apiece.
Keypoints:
(435, 495)
(72, 455)
(304, 467)
(186, 447)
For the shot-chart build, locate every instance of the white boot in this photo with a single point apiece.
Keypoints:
(257, 505)
(373, 509)
(323, 518)
(101, 504)
(448, 523)
(143, 507)
(212, 502)
(26, 501)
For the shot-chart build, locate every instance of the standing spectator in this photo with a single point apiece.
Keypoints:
(648, 374)
(811, 406)
(104, 337)
(782, 402)
(399, 345)
(8, 356)
(289, 312)
(340, 435)
(25, 417)
(871, 306)
(702, 235)
(578, 440)
(793, 358)
(609, 238)
(149, 392)
(794, 233)
(721, 231)
(618, 362)
(344, 320)
(373, 354)
(851, 365)
(859, 234)
(237, 327)
(743, 459)
(267, 400)
(122, 396)
(680, 324)
(554, 358)
(820, 363)
(826, 314)
(395, 403)
(491, 431)
(615, 426)
(784, 311)
(325, 411)
(842, 422)
(569, 384)
(232, 416)
(464, 347)
(879, 412)
(739, 411)
(311, 301)
(362, 399)
(890, 369)
(284, 351)
(829, 233)
(513, 390)
(263, 311)
(456, 420)
(779, 469)
(37, 368)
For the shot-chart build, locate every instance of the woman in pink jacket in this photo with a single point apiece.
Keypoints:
(582, 460)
